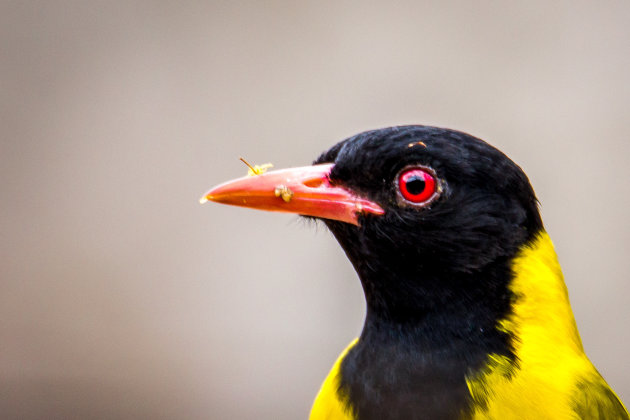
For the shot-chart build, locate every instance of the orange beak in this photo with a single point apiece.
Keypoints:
(306, 191)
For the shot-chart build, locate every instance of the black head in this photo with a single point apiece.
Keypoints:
(431, 219)
(452, 249)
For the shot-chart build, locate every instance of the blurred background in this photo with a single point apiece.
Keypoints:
(122, 297)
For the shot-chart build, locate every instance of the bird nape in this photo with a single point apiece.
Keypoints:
(468, 315)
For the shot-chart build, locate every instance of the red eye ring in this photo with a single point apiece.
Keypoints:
(416, 185)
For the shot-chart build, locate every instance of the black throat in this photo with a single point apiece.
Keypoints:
(425, 331)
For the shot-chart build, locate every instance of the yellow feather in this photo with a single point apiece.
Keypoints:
(328, 404)
(551, 364)
(553, 377)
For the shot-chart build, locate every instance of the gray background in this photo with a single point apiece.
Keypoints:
(122, 297)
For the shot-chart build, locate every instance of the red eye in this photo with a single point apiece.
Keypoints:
(416, 185)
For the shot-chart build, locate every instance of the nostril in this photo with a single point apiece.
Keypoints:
(314, 183)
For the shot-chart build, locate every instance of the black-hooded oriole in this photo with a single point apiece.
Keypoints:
(468, 315)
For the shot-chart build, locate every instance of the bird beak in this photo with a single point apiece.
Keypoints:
(306, 191)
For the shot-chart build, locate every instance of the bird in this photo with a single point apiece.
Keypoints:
(467, 312)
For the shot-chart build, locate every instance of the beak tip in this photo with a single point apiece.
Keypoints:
(203, 200)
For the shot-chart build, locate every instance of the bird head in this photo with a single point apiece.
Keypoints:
(428, 216)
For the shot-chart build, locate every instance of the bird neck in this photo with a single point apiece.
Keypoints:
(540, 312)
(439, 308)
(546, 345)
(462, 347)
(495, 307)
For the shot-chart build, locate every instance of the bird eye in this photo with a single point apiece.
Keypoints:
(417, 185)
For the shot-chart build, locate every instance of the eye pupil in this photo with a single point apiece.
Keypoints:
(415, 185)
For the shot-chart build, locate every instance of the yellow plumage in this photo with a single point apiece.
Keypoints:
(553, 380)
(328, 403)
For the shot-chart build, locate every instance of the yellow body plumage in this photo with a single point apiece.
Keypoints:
(553, 378)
